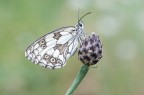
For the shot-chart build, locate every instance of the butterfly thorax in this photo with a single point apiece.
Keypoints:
(80, 31)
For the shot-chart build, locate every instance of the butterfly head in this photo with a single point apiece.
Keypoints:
(80, 25)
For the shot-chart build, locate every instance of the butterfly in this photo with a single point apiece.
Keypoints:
(54, 49)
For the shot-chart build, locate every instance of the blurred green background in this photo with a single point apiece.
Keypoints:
(120, 24)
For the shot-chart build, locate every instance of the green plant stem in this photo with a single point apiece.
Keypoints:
(78, 79)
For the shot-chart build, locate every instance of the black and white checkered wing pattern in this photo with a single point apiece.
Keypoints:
(53, 49)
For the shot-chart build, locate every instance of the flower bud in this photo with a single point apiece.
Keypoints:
(90, 51)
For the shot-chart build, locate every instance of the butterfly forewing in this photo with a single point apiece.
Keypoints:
(53, 49)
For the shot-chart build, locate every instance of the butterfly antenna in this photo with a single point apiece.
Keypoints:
(84, 16)
(78, 14)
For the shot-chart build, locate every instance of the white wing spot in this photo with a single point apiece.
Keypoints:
(56, 53)
(64, 39)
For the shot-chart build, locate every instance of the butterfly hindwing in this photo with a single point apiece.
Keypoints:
(53, 49)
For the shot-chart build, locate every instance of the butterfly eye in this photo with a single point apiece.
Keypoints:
(80, 24)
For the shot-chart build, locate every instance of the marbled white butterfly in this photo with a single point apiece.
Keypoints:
(53, 49)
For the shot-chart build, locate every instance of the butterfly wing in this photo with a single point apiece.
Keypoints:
(53, 49)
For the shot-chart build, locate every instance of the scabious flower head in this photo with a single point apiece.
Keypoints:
(90, 52)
